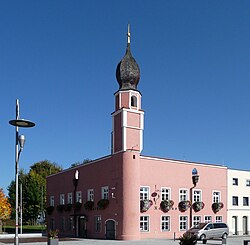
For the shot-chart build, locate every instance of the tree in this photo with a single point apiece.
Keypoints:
(80, 163)
(33, 189)
(5, 209)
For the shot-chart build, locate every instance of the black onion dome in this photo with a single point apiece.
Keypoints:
(127, 71)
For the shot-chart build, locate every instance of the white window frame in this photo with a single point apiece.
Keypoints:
(245, 198)
(218, 219)
(183, 222)
(69, 198)
(235, 181)
(208, 218)
(216, 196)
(196, 220)
(62, 199)
(90, 196)
(197, 195)
(52, 201)
(79, 196)
(248, 182)
(165, 193)
(63, 223)
(183, 196)
(144, 192)
(98, 223)
(236, 198)
(144, 223)
(105, 192)
(165, 222)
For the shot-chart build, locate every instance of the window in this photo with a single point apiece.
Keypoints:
(216, 196)
(62, 224)
(165, 194)
(144, 193)
(165, 223)
(69, 201)
(62, 201)
(70, 228)
(235, 201)
(144, 223)
(98, 223)
(52, 201)
(52, 224)
(133, 101)
(208, 219)
(248, 182)
(245, 201)
(105, 192)
(196, 220)
(218, 219)
(235, 181)
(183, 195)
(79, 196)
(183, 223)
(196, 196)
(90, 195)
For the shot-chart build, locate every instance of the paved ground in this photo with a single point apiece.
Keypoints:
(43, 241)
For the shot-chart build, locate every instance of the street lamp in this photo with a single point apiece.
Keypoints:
(20, 140)
(195, 179)
(75, 182)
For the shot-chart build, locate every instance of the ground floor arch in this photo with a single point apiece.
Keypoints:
(110, 229)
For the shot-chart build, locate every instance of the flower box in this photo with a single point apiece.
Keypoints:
(145, 205)
(103, 203)
(217, 206)
(89, 205)
(166, 205)
(184, 205)
(198, 206)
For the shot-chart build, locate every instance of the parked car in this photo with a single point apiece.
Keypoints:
(205, 231)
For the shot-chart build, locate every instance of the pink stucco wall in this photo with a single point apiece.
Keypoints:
(124, 173)
(157, 173)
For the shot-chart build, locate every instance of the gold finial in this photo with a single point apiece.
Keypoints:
(128, 34)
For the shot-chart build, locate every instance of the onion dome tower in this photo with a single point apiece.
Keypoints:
(127, 71)
(128, 118)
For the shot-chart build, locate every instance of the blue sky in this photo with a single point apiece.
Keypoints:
(59, 59)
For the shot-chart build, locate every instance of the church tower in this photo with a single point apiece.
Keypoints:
(128, 118)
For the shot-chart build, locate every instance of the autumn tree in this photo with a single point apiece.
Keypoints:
(5, 209)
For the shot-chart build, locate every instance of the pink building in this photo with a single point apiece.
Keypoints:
(129, 196)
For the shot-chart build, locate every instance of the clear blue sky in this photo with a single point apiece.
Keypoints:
(59, 58)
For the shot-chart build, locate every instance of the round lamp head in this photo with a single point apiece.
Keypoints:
(22, 123)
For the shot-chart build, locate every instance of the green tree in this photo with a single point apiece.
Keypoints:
(33, 189)
(80, 163)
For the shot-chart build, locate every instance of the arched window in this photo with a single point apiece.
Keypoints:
(133, 101)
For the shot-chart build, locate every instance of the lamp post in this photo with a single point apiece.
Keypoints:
(75, 182)
(19, 144)
(195, 179)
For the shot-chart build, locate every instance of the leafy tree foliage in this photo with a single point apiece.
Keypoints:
(33, 190)
(80, 163)
(5, 208)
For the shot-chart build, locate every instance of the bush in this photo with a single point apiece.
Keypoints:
(187, 239)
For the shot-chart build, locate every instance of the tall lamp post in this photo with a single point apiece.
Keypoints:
(20, 140)
(75, 182)
(195, 179)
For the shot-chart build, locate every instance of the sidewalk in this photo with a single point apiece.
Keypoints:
(237, 240)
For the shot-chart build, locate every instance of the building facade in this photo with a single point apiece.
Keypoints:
(129, 196)
(238, 201)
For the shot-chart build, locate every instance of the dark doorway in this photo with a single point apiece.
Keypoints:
(82, 226)
(110, 230)
(235, 225)
(245, 225)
